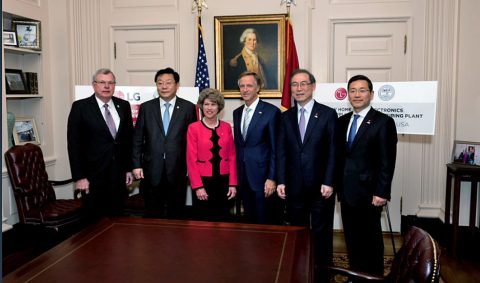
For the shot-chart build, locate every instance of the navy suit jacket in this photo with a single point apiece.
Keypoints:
(91, 148)
(366, 168)
(150, 144)
(257, 154)
(311, 163)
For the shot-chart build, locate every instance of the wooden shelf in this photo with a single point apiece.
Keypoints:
(18, 50)
(23, 96)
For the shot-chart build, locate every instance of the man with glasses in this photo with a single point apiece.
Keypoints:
(255, 129)
(99, 135)
(367, 146)
(159, 148)
(306, 164)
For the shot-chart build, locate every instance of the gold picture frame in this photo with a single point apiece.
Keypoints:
(232, 56)
(28, 34)
(25, 131)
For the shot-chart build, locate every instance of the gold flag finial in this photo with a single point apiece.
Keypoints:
(199, 5)
(288, 4)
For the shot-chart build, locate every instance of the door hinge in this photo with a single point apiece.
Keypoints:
(114, 50)
(405, 45)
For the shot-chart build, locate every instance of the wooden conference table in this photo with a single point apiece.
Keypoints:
(154, 250)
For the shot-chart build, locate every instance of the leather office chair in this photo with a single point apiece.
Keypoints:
(417, 261)
(34, 194)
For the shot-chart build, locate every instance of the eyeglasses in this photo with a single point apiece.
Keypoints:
(168, 83)
(301, 84)
(360, 90)
(104, 83)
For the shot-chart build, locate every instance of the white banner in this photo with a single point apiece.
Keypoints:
(136, 95)
(411, 104)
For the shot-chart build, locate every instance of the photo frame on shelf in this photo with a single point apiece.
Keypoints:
(466, 152)
(9, 38)
(15, 82)
(25, 131)
(28, 34)
(236, 38)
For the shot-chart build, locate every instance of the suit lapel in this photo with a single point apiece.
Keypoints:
(157, 114)
(292, 117)
(237, 118)
(255, 117)
(312, 122)
(367, 122)
(97, 114)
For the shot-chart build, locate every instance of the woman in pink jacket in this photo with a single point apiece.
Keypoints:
(211, 160)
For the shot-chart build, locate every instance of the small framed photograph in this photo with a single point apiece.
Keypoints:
(250, 43)
(15, 82)
(9, 38)
(25, 131)
(466, 152)
(28, 34)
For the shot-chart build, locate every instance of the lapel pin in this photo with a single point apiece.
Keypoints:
(260, 113)
(316, 115)
(178, 107)
(369, 121)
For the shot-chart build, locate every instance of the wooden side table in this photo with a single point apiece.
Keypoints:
(460, 173)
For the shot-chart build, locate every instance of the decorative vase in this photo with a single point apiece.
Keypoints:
(10, 125)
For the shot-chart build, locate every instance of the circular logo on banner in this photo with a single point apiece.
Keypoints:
(386, 92)
(341, 93)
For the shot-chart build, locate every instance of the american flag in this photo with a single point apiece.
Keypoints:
(201, 76)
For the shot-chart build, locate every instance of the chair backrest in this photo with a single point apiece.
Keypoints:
(32, 190)
(418, 260)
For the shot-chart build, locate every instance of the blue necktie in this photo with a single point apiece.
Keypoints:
(353, 130)
(166, 117)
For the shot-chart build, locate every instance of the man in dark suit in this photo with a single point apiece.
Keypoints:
(306, 163)
(159, 147)
(99, 135)
(255, 127)
(367, 146)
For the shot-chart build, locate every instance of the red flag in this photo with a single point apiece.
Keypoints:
(290, 66)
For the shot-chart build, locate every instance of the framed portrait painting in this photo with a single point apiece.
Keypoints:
(250, 43)
(28, 34)
(466, 152)
(25, 131)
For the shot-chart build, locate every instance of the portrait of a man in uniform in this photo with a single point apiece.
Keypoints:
(254, 48)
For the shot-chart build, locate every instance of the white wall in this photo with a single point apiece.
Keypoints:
(468, 95)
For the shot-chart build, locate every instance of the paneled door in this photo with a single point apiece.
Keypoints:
(140, 52)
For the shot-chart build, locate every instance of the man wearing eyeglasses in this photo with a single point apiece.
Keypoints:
(306, 163)
(367, 146)
(99, 135)
(159, 148)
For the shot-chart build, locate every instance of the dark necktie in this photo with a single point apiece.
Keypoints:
(353, 130)
(301, 123)
(110, 122)
(166, 117)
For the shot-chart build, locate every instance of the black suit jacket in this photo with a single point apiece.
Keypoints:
(151, 145)
(258, 151)
(91, 148)
(311, 163)
(366, 169)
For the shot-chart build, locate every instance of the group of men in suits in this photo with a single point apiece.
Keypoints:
(305, 155)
